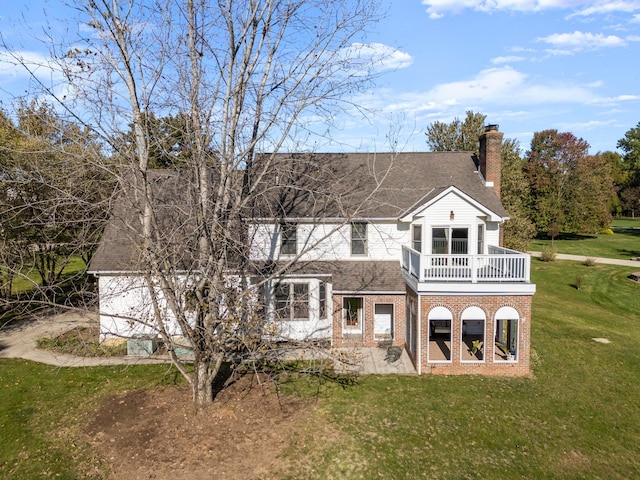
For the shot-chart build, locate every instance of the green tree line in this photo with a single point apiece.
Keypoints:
(53, 200)
(556, 185)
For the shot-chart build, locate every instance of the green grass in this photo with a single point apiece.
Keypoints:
(626, 222)
(29, 279)
(40, 405)
(576, 417)
(623, 244)
(29, 298)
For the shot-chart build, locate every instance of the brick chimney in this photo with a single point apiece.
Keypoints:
(490, 161)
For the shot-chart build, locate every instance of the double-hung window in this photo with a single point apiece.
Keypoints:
(322, 292)
(288, 239)
(417, 238)
(358, 238)
(480, 239)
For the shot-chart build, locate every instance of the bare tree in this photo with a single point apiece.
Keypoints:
(52, 208)
(246, 78)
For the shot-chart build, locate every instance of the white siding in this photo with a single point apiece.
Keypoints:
(126, 308)
(465, 215)
(331, 241)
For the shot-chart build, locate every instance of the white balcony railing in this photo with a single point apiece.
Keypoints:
(500, 265)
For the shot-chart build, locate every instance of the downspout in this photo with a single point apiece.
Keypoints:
(419, 313)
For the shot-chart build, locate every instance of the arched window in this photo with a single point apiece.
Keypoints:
(506, 337)
(440, 323)
(472, 345)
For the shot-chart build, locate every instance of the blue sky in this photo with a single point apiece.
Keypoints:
(529, 65)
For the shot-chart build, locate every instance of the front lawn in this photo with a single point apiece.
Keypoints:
(42, 408)
(623, 244)
(576, 417)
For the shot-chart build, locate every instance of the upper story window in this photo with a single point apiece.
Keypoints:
(480, 239)
(417, 238)
(358, 238)
(449, 241)
(288, 239)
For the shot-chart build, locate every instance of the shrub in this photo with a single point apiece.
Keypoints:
(548, 254)
(83, 342)
(578, 282)
(589, 262)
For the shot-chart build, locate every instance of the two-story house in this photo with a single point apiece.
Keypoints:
(409, 253)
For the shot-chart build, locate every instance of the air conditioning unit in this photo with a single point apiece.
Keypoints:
(142, 345)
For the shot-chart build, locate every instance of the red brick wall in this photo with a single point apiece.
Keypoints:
(369, 301)
(490, 305)
(490, 160)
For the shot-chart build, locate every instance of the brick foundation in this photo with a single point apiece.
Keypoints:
(456, 305)
(490, 305)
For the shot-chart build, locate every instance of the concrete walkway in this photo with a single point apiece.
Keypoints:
(582, 258)
(19, 341)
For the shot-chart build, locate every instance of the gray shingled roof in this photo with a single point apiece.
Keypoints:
(119, 248)
(400, 181)
(331, 185)
(353, 276)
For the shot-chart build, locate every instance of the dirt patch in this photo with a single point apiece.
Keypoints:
(158, 435)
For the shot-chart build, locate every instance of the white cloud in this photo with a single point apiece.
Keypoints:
(615, 100)
(18, 64)
(490, 88)
(590, 125)
(438, 8)
(507, 59)
(568, 43)
(599, 8)
(377, 56)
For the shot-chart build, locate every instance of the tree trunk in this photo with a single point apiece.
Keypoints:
(204, 375)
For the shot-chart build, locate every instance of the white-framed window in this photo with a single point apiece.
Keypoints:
(416, 237)
(440, 334)
(449, 240)
(352, 314)
(322, 300)
(288, 238)
(383, 322)
(292, 301)
(358, 238)
(506, 340)
(472, 345)
(481, 239)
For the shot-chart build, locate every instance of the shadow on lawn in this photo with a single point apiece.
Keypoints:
(632, 232)
(567, 236)
(629, 253)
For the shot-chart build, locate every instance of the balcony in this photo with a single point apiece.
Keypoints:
(501, 265)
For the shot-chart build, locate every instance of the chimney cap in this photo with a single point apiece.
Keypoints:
(492, 127)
